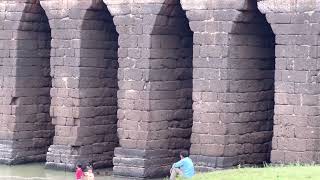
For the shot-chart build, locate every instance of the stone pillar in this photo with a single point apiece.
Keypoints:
(297, 87)
(233, 76)
(84, 89)
(26, 130)
(154, 95)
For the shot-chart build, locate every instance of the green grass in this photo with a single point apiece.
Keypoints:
(294, 172)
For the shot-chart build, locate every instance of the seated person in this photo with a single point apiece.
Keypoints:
(183, 168)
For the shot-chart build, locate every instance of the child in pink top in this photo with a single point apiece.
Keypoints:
(79, 172)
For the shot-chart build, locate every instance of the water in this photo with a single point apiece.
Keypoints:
(38, 172)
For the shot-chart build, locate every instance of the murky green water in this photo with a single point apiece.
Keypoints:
(38, 172)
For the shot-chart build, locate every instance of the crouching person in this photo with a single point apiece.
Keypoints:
(183, 168)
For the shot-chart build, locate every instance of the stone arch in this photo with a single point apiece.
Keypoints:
(33, 130)
(296, 119)
(170, 78)
(222, 111)
(98, 86)
(251, 71)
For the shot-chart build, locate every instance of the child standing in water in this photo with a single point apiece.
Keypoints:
(89, 174)
(79, 172)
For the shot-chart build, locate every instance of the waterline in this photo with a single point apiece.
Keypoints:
(37, 171)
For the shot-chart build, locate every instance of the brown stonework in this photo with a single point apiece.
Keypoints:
(233, 85)
(156, 124)
(296, 127)
(129, 83)
(26, 130)
(84, 65)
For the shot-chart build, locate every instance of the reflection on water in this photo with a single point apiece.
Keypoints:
(38, 172)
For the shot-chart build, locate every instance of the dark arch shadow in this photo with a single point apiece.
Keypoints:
(171, 79)
(251, 70)
(34, 131)
(98, 86)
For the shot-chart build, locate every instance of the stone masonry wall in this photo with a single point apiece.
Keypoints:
(171, 80)
(98, 87)
(64, 63)
(232, 85)
(250, 71)
(7, 84)
(26, 131)
(84, 94)
(296, 120)
(130, 83)
(160, 47)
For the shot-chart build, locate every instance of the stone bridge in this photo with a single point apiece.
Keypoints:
(129, 83)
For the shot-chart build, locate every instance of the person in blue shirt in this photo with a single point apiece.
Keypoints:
(183, 168)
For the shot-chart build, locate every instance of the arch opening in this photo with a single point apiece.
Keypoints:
(33, 130)
(98, 87)
(251, 69)
(171, 80)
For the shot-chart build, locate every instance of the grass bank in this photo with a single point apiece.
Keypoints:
(295, 172)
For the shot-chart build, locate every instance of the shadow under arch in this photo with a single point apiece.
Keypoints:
(34, 131)
(98, 87)
(171, 70)
(251, 71)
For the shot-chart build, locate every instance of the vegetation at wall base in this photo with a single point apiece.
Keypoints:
(290, 172)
